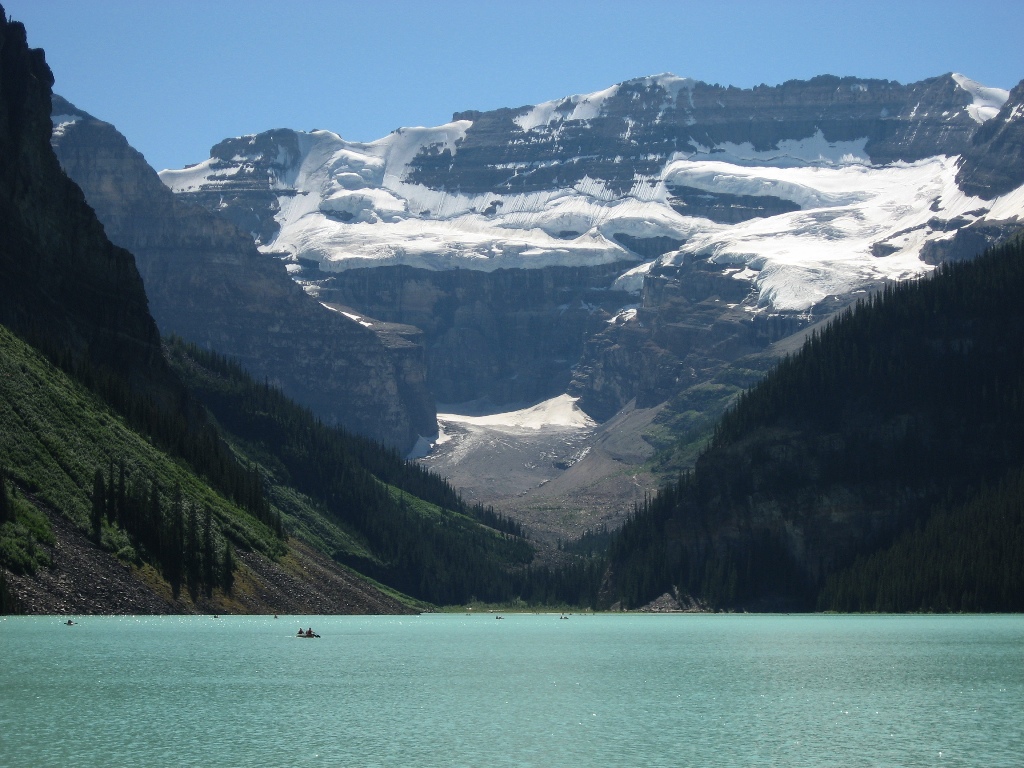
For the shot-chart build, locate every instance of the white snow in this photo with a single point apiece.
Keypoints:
(560, 411)
(61, 123)
(801, 257)
(572, 108)
(986, 101)
(353, 317)
(349, 204)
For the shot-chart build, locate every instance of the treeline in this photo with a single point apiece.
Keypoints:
(177, 537)
(423, 539)
(908, 378)
(163, 411)
(967, 557)
(261, 413)
(592, 543)
(666, 545)
(913, 399)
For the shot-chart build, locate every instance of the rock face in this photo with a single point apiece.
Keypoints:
(63, 286)
(993, 164)
(632, 128)
(209, 284)
(700, 222)
(510, 336)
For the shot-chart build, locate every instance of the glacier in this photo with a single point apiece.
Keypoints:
(343, 205)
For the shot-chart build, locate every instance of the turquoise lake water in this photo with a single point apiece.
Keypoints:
(528, 690)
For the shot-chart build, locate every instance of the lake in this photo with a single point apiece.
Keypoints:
(526, 690)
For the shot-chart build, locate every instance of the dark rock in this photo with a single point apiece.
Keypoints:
(725, 208)
(512, 335)
(993, 163)
(209, 284)
(63, 286)
(642, 125)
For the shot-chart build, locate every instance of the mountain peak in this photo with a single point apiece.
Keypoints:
(986, 102)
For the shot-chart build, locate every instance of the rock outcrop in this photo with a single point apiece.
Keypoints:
(511, 336)
(209, 284)
(993, 164)
(757, 211)
(63, 286)
(640, 123)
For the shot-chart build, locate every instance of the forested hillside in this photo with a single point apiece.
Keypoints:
(878, 468)
(406, 526)
(118, 490)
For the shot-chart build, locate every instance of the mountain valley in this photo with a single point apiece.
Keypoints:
(666, 346)
(623, 247)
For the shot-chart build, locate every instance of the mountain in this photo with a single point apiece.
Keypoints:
(876, 469)
(993, 164)
(148, 476)
(63, 285)
(207, 283)
(680, 207)
(649, 249)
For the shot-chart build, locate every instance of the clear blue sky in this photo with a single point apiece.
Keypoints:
(177, 76)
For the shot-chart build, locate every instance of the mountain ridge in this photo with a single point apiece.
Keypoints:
(786, 199)
(207, 283)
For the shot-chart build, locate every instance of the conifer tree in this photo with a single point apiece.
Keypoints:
(193, 566)
(111, 495)
(155, 523)
(227, 573)
(99, 504)
(175, 542)
(122, 493)
(209, 554)
(5, 502)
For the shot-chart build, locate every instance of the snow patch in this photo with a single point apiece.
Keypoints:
(354, 318)
(560, 411)
(61, 123)
(580, 107)
(986, 101)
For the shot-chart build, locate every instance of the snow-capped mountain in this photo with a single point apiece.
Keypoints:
(207, 283)
(850, 168)
(790, 199)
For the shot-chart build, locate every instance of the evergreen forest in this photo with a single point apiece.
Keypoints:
(876, 469)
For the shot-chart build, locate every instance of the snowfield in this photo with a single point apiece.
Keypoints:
(857, 223)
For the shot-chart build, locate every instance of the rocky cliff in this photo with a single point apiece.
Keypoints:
(993, 164)
(704, 222)
(209, 284)
(510, 336)
(631, 129)
(63, 285)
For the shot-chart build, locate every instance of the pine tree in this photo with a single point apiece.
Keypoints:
(99, 504)
(193, 566)
(175, 543)
(122, 493)
(111, 495)
(209, 554)
(227, 573)
(5, 502)
(155, 523)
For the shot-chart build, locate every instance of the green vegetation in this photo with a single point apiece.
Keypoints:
(968, 557)
(360, 502)
(686, 424)
(864, 450)
(22, 529)
(59, 444)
